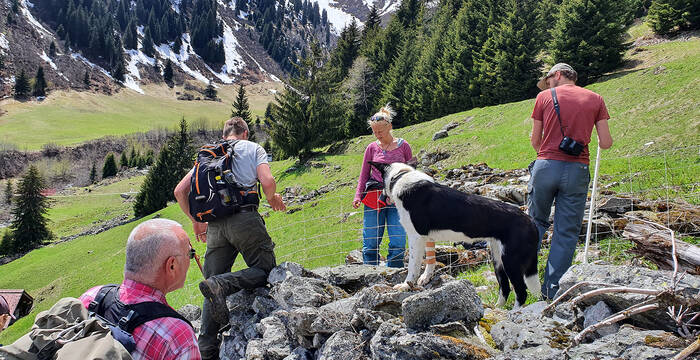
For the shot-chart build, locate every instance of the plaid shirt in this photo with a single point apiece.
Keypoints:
(163, 338)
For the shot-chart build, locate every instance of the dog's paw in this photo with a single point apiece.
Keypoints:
(402, 287)
(423, 280)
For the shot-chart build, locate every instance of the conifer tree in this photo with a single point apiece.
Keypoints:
(372, 23)
(39, 83)
(22, 87)
(8, 192)
(147, 44)
(86, 78)
(394, 91)
(93, 173)
(361, 89)
(588, 36)
(123, 161)
(52, 49)
(110, 166)
(2, 61)
(345, 51)
(240, 105)
(130, 36)
(66, 43)
(210, 92)
(29, 221)
(6, 243)
(133, 157)
(174, 160)
(168, 71)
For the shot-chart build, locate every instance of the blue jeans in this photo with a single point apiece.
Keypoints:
(566, 183)
(373, 231)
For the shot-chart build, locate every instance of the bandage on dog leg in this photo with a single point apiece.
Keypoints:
(430, 252)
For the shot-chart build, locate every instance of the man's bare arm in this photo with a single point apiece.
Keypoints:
(605, 140)
(269, 187)
(536, 136)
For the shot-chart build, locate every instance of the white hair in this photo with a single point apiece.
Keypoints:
(144, 245)
(386, 113)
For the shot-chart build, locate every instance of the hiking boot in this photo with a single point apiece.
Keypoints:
(213, 292)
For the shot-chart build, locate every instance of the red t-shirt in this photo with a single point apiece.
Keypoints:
(580, 109)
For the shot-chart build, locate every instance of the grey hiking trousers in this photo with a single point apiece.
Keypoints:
(242, 233)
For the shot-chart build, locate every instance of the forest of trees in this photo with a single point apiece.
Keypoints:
(430, 62)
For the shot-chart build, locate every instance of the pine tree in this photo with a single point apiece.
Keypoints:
(346, 51)
(178, 45)
(394, 91)
(174, 160)
(110, 167)
(361, 89)
(589, 36)
(93, 173)
(372, 23)
(8, 192)
(52, 49)
(22, 87)
(130, 38)
(240, 105)
(29, 221)
(86, 79)
(168, 71)
(210, 92)
(133, 158)
(39, 83)
(123, 161)
(147, 44)
(6, 243)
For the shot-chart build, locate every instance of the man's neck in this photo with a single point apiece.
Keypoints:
(234, 137)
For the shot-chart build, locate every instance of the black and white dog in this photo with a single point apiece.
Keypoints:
(432, 212)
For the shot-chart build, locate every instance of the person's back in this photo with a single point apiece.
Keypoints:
(247, 156)
(579, 108)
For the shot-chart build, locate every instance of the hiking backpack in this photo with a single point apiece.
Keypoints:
(122, 318)
(214, 192)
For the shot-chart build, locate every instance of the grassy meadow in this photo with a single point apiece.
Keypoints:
(655, 124)
(72, 117)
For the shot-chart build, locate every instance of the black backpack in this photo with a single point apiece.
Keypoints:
(122, 318)
(214, 192)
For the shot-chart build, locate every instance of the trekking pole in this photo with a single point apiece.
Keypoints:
(592, 206)
(196, 258)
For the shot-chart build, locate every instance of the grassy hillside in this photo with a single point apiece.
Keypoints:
(654, 100)
(67, 118)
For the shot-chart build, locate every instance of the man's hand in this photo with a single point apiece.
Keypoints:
(200, 231)
(276, 202)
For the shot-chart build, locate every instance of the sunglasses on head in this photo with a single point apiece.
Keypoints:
(376, 118)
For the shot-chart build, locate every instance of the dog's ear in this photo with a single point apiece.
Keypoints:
(379, 166)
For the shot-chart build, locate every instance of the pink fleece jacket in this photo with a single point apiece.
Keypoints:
(375, 153)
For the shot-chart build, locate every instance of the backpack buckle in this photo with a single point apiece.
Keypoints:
(126, 319)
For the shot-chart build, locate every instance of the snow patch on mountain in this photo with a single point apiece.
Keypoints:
(167, 52)
(76, 56)
(45, 57)
(337, 17)
(25, 5)
(133, 74)
(3, 42)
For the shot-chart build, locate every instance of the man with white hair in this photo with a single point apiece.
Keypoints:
(158, 254)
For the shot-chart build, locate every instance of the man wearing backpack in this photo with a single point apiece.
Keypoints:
(243, 232)
(158, 255)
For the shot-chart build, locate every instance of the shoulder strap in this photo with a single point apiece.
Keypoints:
(128, 316)
(556, 108)
(144, 312)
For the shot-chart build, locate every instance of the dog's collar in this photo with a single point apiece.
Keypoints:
(396, 178)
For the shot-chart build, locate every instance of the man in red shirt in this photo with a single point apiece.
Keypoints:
(157, 259)
(560, 176)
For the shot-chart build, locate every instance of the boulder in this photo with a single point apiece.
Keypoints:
(354, 258)
(352, 278)
(393, 341)
(254, 351)
(299, 353)
(369, 319)
(275, 342)
(528, 329)
(630, 343)
(382, 298)
(234, 347)
(454, 301)
(630, 277)
(296, 291)
(190, 312)
(343, 345)
(514, 194)
(286, 269)
(440, 134)
(334, 317)
(597, 313)
(300, 320)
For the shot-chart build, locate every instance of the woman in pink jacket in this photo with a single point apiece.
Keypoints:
(377, 210)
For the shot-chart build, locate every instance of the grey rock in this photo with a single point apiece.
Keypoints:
(233, 347)
(296, 291)
(616, 205)
(631, 277)
(275, 341)
(514, 194)
(284, 270)
(454, 301)
(450, 126)
(595, 314)
(334, 317)
(299, 353)
(440, 134)
(381, 298)
(450, 328)
(630, 343)
(300, 320)
(319, 340)
(369, 319)
(542, 352)
(255, 350)
(263, 306)
(240, 307)
(190, 312)
(529, 329)
(354, 258)
(343, 345)
(393, 341)
(352, 278)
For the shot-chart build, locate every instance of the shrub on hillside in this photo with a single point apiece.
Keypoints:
(110, 167)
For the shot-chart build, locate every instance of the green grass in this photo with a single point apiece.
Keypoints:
(68, 118)
(645, 107)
